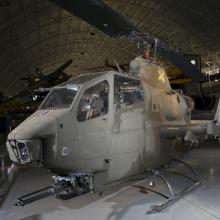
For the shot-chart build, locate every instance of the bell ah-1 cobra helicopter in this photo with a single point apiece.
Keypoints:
(110, 124)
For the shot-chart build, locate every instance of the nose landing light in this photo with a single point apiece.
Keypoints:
(19, 152)
(23, 152)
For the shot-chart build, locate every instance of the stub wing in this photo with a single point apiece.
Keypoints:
(217, 114)
(213, 127)
(195, 128)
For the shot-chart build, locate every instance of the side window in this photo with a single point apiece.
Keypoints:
(127, 92)
(94, 102)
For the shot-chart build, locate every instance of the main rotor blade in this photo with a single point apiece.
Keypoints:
(25, 78)
(63, 67)
(104, 18)
(100, 15)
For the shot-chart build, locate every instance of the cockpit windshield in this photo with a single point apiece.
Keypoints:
(60, 97)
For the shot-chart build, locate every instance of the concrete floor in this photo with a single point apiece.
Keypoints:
(122, 200)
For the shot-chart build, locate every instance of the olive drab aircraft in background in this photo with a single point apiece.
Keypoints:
(36, 87)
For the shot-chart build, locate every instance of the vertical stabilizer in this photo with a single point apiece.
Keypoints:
(217, 114)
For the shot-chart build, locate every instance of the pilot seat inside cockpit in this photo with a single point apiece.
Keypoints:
(94, 102)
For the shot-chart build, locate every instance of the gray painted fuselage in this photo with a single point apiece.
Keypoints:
(120, 143)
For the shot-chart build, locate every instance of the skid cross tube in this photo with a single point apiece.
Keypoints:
(189, 167)
(173, 197)
(168, 185)
(170, 201)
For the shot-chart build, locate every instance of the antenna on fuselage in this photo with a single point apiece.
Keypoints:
(118, 67)
(155, 50)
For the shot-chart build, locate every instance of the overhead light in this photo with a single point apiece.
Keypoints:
(216, 80)
(73, 87)
(193, 62)
(34, 97)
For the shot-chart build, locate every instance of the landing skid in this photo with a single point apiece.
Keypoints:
(172, 196)
(74, 184)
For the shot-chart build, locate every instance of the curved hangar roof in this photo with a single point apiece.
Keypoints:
(38, 33)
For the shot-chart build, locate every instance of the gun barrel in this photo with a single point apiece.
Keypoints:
(36, 195)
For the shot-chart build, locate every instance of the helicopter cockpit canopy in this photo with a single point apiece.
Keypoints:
(83, 78)
(60, 97)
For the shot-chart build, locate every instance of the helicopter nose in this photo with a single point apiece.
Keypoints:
(34, 127)
(24, 141)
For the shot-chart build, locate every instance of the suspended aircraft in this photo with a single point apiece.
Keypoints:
(40, 80)
(36, 88)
